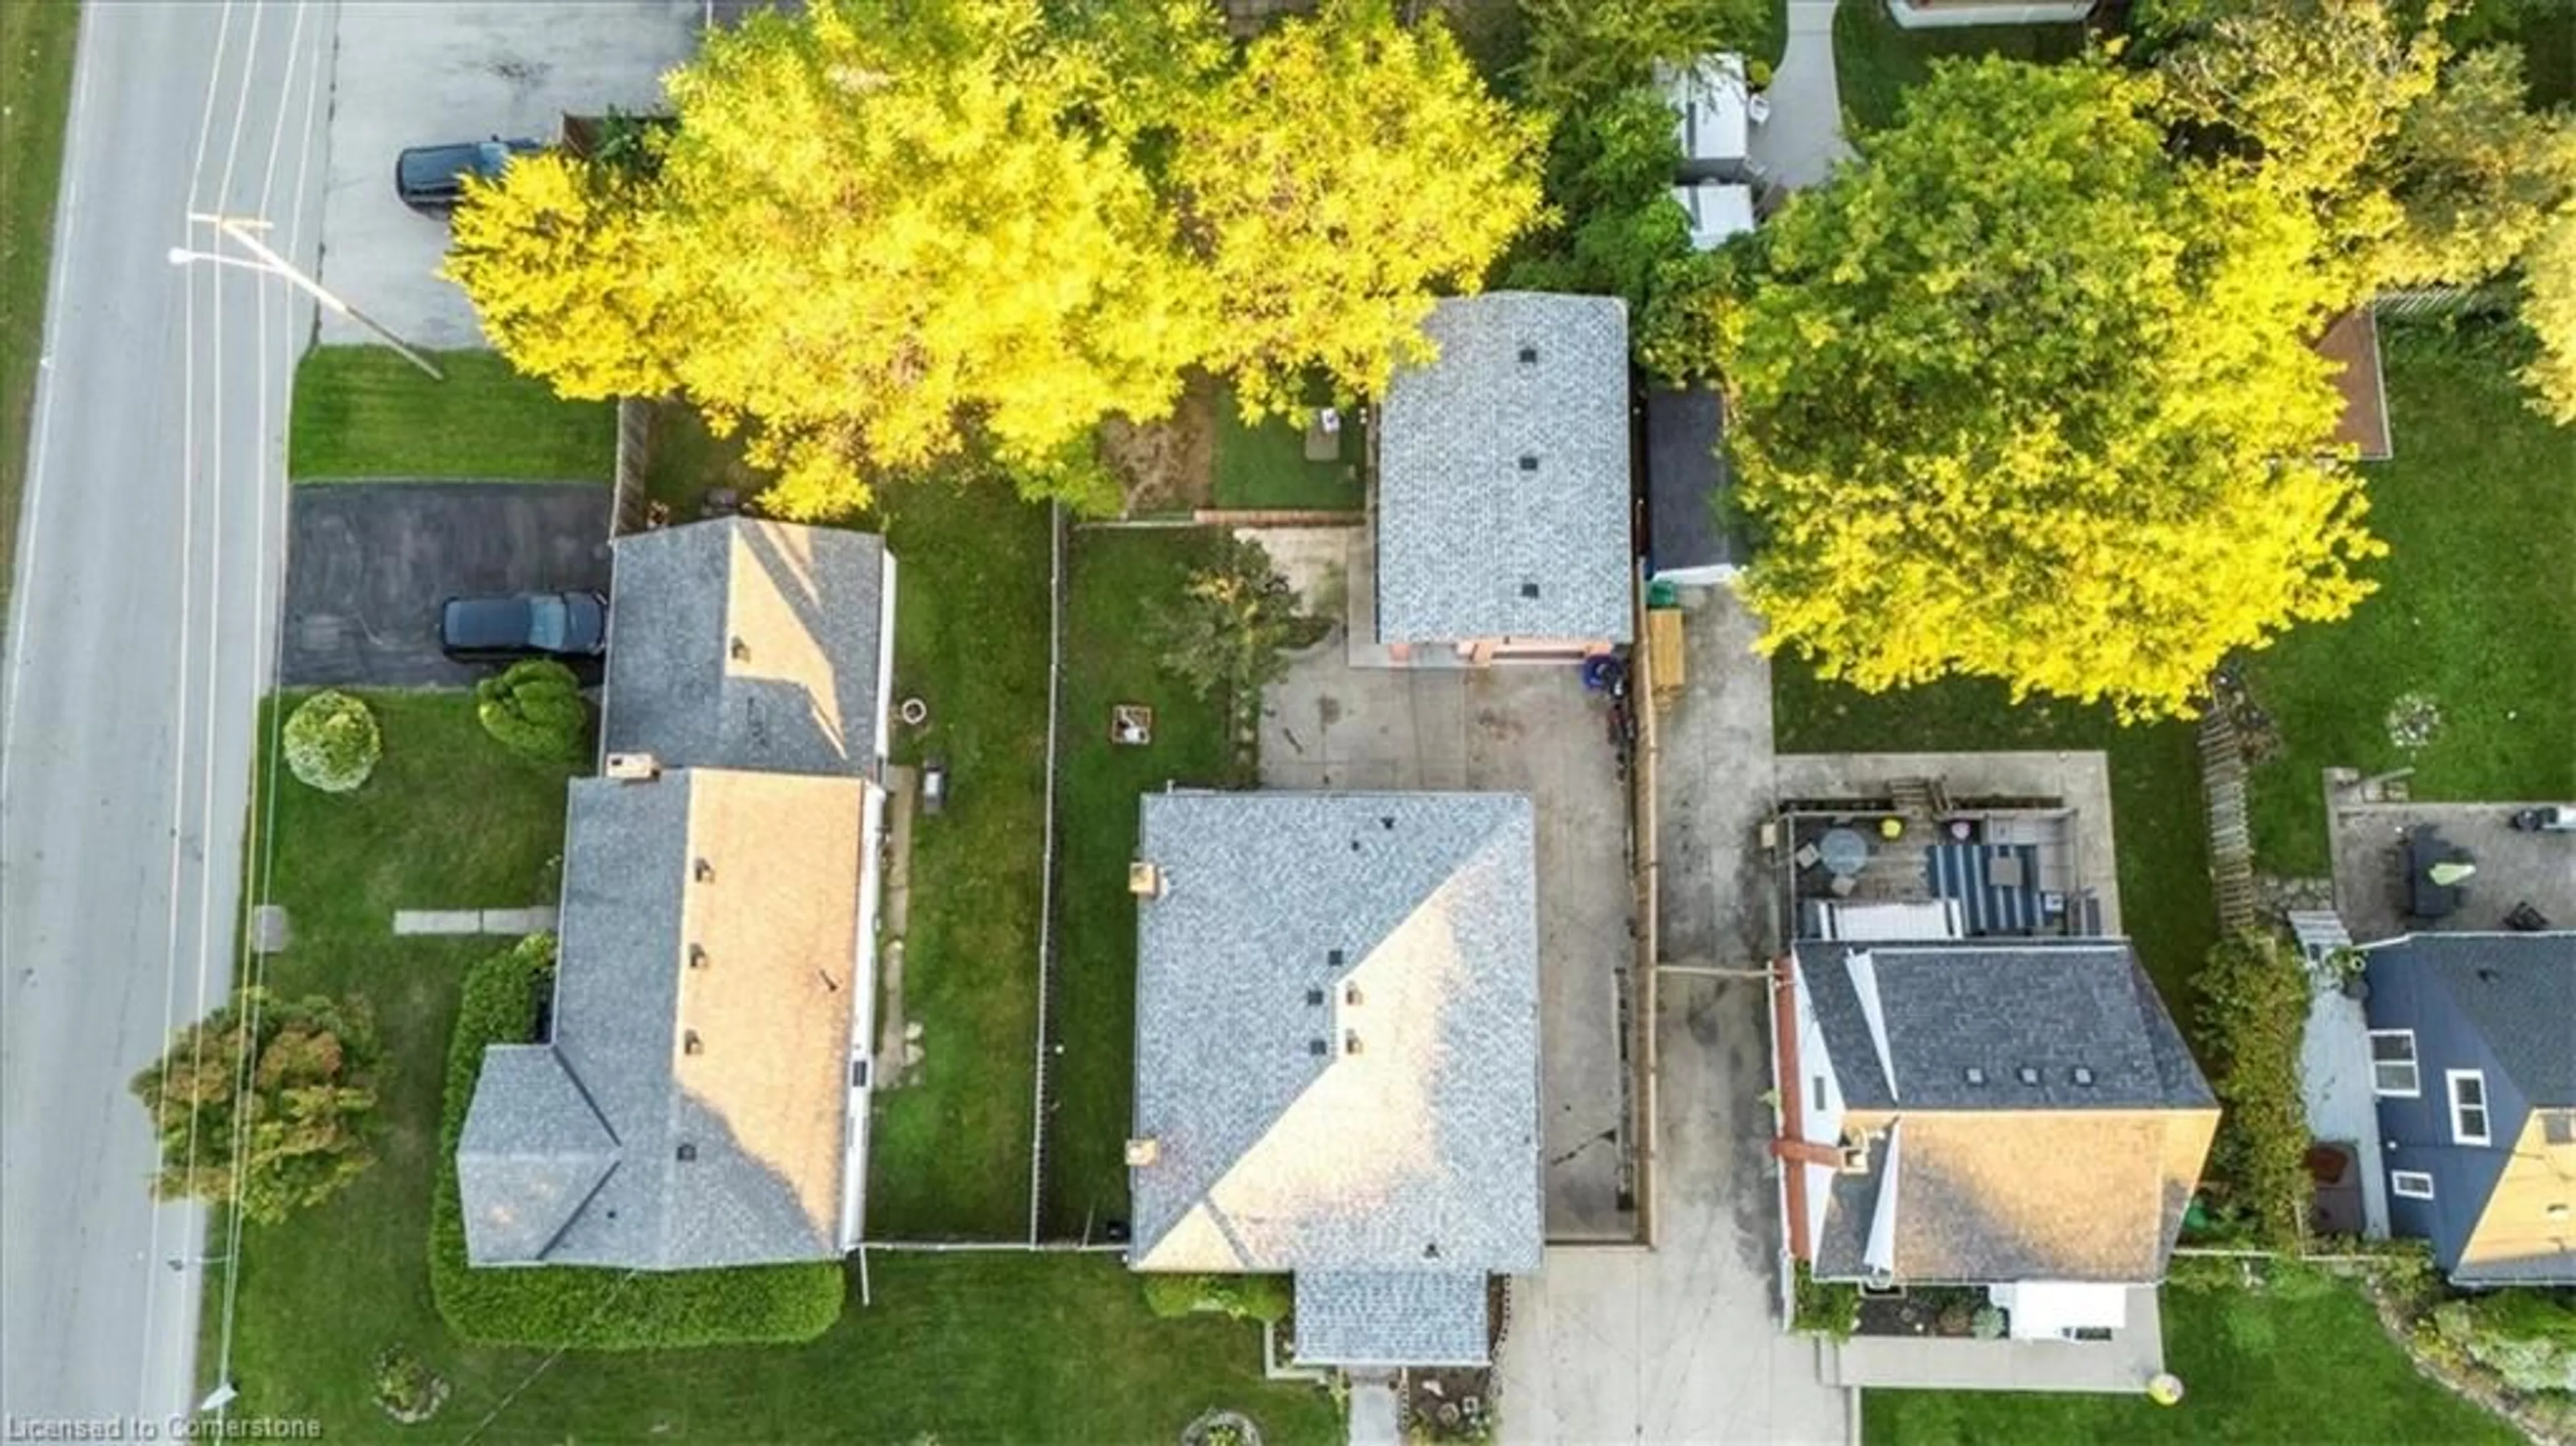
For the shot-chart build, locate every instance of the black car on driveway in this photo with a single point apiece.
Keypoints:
(570, 626)
(431, 179)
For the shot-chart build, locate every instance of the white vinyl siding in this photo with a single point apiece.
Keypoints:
(2410, 1184)
(2468, 1089)
(2393, 1073)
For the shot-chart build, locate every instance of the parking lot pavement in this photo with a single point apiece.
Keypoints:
(1528, 730)
(1682, 1343)
(422, 72)
(368, 562)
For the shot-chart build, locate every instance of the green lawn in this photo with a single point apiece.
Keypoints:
(1117, 579)
(362, 412)
(1876, 60)
(35, 98)
(2472, 606)
(1266, 466)
(2157, 820)
(2314, 1371)
(950, 1155)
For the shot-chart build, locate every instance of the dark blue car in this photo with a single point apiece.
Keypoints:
(431, 179)
(571, 626)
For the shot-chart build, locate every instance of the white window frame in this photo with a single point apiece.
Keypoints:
(2414, 1063)
(2451, 1080)
(2399, 1180)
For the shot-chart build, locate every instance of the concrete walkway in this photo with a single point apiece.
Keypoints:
(2121, 1365)
(1681, 1343)
(536, 919)
(1799, 145)
(1373, 1414)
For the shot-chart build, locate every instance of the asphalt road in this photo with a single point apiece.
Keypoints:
(146, 596)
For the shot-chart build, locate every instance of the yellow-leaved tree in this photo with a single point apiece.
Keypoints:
(1351, 170)
(553, 255)
(2019, 396)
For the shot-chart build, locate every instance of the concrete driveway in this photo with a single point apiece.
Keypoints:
(1682, 1343)
(420, 72)
(368, 562)
(1527, 730)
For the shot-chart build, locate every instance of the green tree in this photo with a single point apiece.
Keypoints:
(2549, 310)
(1584, 52)
(267, 1104)
(2021, 397)
(2478, 177)
(2253, 1017)
(1348, 172)
(1225, 636)
(883, 234)
(534, 708)
(1612, 225)
(553, 255)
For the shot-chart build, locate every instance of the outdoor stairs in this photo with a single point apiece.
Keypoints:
(1919, 799)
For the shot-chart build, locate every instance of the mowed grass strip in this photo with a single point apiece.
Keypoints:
(1118, 581)
(2159, 829)
(949, 1157)
(2472, 609)
(363, 413)
(1264, 466)
(36, 48)
(2264, 1370)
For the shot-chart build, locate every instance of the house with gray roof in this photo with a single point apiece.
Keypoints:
(744, 643)
(2473, 1078)
(1337, 1058)
(702, 1097)
(2021, 1115)
(1503, 486)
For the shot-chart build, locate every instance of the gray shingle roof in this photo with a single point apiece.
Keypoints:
(1288, 926)
(2519, 990)
(740, 643)
(1464, 534)
(1684, 478)
(761, 1100)
(532, 1152)
(1392, 1318)
(2006, 1180)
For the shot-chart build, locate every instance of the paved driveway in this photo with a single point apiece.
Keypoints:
(418, 72)
(1681, 1343)
(368, 562)
(1527, 730)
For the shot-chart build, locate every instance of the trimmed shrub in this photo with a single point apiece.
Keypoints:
(331, 742)
(2253, 1017)
(535, 709)
(1829, 1308)
(1265, 1298)
(590, 1309)
(406, 1388)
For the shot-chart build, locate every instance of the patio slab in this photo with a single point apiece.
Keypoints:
(2121, 1365)
(2513, 867)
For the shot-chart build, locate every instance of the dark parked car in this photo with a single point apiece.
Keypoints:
(431, 179)
(566, 625)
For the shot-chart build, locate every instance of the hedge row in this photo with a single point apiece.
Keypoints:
(2253, 1017)
(593, 1309)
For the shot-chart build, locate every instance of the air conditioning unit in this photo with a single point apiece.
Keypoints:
(634, 767)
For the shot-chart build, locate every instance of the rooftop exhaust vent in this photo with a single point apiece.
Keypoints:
(1529, 461)
(1318, 1048)
(705, 870)
(634, 767)
(1144, 880)
(1144, 1152)
(1333, 957)
(687, 1153)
(697, 956)
(690, 1043)
(1976, 1076)
(1529, 355)
(1350, 1041)
(2029, 1075)
(2083, 1074)
(1529, 589)
(1314, 996)
(741, 651)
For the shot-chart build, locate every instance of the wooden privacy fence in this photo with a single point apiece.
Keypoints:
(2231, 835)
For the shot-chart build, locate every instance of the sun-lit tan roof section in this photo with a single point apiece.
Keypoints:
(2517, 1233)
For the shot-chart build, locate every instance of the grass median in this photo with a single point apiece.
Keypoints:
(363, 413)
(36, 50)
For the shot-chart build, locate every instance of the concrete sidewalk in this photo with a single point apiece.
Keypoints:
(1801, 142)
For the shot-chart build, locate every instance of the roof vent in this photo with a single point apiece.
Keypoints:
(706, 871)
(1855, 1161)
(1386, 821)
(687, 1153)
(634, 767)
(1529, 355)
(1529, 589)
(1314, 996)
(1318, 1048)
(1144, 880)
(2556, 1211)
(1976, 1075)
(1141, 1153)
(1333, 957)
(697, 956)
(1351, 994)
(690, 1043)
(1350, 1041)
(1431, 1250)
(2084, 1074)
(1529, 461)
(2029, 1075)
(741, 650)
